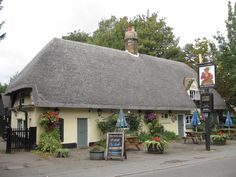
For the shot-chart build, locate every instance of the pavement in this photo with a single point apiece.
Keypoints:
(29, 164)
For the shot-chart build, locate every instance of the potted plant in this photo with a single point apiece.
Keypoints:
(156, 145)
(219, 138)
(96, 152)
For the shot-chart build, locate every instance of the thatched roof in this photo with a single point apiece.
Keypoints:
(77, 75)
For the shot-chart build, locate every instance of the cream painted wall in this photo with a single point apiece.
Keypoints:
(70, 117)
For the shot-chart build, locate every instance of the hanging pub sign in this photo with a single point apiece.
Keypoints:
(206, 75)
(115, 147)
(207, 102)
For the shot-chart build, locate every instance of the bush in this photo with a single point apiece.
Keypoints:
(62, 152)
(143, 136)
(49, 141)
(109, 124)
(169, 135)
(156, 128)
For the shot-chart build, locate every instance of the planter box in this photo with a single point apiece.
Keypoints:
(219, 142)
(96, 155)
(155, 149)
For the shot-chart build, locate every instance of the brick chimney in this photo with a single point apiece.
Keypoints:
(131, 41)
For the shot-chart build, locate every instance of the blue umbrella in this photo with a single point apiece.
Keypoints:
(195, 121)
(228, 121)
(121, 122)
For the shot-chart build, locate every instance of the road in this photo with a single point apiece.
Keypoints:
(222, 167)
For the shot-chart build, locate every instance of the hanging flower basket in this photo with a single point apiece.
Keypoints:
(149, 117)
(49, 120)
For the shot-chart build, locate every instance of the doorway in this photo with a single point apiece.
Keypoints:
(82, 132)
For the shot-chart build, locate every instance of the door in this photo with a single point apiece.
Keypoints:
(82, 132)
(181, 125)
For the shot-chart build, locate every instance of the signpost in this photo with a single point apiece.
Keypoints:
(115, 145)
(206, 80)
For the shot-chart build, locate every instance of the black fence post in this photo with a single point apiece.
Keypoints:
(32, 137)
(9, 138)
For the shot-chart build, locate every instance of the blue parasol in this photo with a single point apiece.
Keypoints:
(121, 122)
(228, 121)
(195, 121)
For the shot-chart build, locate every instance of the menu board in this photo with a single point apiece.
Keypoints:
(115, 145)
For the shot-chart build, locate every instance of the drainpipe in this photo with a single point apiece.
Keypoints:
(22, 110)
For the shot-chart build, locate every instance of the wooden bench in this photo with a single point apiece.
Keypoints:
(132, 141)
(196, 137)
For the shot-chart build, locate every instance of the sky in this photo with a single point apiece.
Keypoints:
(31, 24)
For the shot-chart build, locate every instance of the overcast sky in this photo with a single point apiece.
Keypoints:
(31, 24)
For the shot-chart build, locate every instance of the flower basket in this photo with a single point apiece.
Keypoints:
(49, 120)
(156, 145)
(219, 139)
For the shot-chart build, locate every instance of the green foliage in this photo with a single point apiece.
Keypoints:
(144, 136)
(62, 152)
(154, 146)
(134, 122)
(2, 87)
(101, 143)
(169, 135)
(77, 36)
(192, 51)
(226, 63)
(97, 148)
(155, 128)
(155, 37)
(2, 36)
(108, 124)
(49, 141)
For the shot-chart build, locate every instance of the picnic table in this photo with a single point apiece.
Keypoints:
(196, 137)
(132, 141)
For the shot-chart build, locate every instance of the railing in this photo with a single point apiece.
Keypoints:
(20, 139)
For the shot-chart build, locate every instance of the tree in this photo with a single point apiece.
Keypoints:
(155, 37)
(202, 47)
(226, 59)
(79, 36)
(2, 36)
(2, 87)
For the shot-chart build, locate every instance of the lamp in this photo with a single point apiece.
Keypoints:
(56, 110)
(99, 112)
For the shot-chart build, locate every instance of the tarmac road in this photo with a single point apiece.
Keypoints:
(179, 156)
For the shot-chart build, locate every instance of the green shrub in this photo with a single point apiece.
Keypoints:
(49, 141)
(134, 122)
(155, 128)
(144, 136)
(108, 124)
(62, 152)
(169, 135)
(101, 143)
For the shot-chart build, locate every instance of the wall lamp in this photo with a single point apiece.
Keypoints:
(99, 112)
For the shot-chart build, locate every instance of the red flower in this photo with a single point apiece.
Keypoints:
(156, 139)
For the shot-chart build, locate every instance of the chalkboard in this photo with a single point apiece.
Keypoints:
(115, 145)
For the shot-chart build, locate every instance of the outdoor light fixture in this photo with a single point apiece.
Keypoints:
(56, 110)
(99, 112)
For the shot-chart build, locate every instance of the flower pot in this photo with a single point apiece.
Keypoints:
(219, 142)
(96, 155)
(155, 149)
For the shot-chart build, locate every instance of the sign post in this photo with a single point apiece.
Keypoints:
(206, 80)
(115, 145)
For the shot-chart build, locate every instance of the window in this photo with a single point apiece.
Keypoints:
(188, 119)
(20, 123)
(164, 116)
(194, 94)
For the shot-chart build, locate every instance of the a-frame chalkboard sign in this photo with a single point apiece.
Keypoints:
(115, 147)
